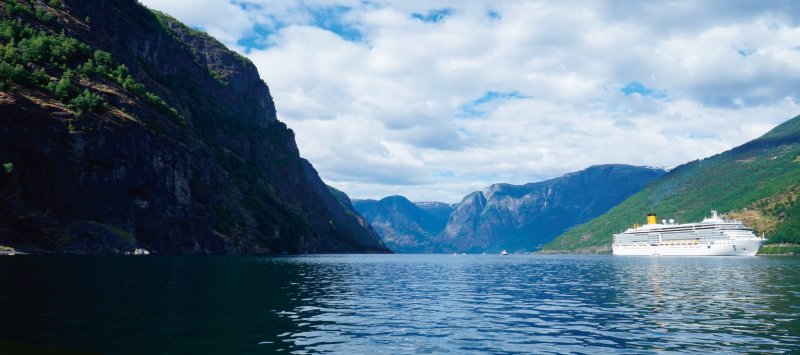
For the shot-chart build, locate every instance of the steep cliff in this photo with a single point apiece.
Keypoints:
(121, 128)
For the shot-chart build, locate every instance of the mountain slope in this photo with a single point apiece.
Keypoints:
(123, 128)
(504, 216)
(404, 226)
(757, 182)
(522, 217)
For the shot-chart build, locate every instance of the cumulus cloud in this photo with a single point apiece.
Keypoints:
(435, 99)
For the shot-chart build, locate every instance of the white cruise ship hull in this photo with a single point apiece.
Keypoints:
(732, 247)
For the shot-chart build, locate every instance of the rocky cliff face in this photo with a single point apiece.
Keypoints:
(523, 217)
(502, 216)
(404, 226)
(208, 170)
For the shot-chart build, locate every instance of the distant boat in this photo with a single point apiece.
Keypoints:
(504, 252)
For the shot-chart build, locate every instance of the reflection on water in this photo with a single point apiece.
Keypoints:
(721, 304)
(403, 304)
(558, 304)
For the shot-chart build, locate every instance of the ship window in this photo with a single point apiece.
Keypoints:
(709, 247)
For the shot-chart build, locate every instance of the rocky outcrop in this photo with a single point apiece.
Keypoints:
(220, 174)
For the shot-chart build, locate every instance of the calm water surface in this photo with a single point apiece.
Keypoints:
(402, 304)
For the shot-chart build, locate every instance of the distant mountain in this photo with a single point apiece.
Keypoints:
(523, 217)
(124, 128)
(758, 183)
(404, 226)
(503, 216)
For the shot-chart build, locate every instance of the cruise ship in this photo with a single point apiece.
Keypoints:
(712, 236)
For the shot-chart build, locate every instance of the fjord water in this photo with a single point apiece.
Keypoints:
(401, 304)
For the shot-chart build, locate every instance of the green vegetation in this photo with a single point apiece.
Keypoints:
(66, 88)
(11, 74)
(29, 54)
(18, 8)
(8, 167)
(31, 57)
(760, 179)
(780, 249)
(14, 8)
(87, 101)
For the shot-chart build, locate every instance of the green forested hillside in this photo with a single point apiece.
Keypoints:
(758, 182)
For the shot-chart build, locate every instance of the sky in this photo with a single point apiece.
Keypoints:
(435, 99)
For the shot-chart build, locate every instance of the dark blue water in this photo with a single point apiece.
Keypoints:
(401, 304)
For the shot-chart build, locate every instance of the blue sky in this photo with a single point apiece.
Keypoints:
(435, 99)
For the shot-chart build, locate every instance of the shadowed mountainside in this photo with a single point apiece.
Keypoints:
(122, 128)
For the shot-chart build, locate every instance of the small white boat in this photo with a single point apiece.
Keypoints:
(504, 252)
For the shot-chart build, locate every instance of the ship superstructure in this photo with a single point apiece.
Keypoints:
(712, 236)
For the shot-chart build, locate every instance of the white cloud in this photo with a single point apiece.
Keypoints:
(464, 94)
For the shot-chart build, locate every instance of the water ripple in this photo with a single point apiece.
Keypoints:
(416, 304)
(524, 304)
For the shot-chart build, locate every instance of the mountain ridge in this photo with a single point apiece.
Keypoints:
(404, 226)
(505, 216)
(757, 182)
(520, 218)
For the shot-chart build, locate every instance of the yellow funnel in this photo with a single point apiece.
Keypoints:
(651, 218)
